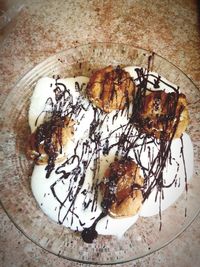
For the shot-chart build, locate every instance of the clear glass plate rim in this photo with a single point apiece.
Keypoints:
(39, 64)
(29, 73)
(101, 263)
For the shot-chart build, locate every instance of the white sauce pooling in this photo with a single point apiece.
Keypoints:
(76, 204)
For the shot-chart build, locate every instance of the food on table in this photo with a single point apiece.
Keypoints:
(123, 153)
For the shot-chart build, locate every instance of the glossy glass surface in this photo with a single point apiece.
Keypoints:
(15, 192)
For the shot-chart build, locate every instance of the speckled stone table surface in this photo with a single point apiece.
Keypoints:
(39, 29)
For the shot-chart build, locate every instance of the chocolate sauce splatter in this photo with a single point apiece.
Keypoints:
(89, 234)
(128, 142)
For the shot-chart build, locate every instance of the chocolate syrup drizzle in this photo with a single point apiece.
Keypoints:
(128, 142)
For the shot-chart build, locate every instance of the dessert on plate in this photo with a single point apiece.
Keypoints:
(111, 88)
(108, 149)
(122, 189)
(162, 114)
(48, 140)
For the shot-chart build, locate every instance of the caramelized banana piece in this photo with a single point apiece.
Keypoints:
(121, 189)
(162, 114)
(48, 140)
(111, 89)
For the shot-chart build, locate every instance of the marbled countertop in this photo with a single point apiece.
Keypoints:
(171, 28)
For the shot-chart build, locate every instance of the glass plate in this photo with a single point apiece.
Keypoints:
(143, 237)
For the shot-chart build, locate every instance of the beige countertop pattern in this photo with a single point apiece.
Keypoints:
(170, 28)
